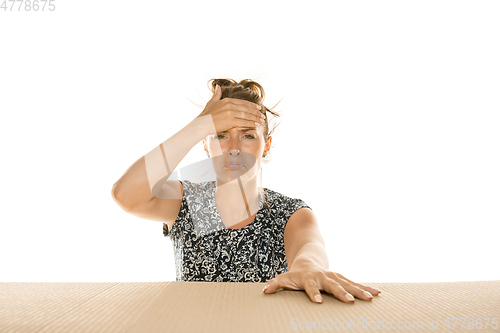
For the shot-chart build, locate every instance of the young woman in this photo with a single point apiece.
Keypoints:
(231, 229)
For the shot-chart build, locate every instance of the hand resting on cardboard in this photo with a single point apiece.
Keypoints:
(313, 279)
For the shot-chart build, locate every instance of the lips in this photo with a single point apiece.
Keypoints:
(234, 165)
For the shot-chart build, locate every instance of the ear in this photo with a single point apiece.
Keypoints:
(268, 145)
(206, 147)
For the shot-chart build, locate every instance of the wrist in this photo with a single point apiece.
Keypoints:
(204, 125)
(305, 263)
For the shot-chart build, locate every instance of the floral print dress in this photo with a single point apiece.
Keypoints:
(206, 250)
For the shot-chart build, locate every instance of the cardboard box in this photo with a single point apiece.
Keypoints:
(242, 307)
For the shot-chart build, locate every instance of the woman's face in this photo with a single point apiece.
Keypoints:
(242, 152)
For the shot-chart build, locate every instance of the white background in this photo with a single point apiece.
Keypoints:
(390, 128)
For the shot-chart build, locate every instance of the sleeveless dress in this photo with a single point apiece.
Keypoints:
(206, 250)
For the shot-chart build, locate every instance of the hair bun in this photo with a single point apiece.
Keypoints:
(254, 86)
(246, 84)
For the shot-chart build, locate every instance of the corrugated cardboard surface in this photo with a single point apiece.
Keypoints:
(242, 307)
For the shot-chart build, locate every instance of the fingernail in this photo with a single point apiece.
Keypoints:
(349, 297)
(367, 294)
(317, 298)
(265, 288)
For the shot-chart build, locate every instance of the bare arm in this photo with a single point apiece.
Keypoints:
(304, 244)
(308, 264)
(143, 189)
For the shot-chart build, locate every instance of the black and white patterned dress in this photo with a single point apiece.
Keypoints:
(206, 250)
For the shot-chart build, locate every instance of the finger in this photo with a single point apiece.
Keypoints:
(250, 116)
(271, 286)
(312, 290)
(217, 94)
(333, 287)
(245, 106)
(371, 290)
(357, 292)
(245, 123)
(244, 102)
(284, 281)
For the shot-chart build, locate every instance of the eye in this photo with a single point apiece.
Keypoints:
(249, 136)
(220, 136)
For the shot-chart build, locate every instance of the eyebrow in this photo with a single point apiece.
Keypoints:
(242, 130)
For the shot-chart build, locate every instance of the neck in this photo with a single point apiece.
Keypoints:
(237, 201)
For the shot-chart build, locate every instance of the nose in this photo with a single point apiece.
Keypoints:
(234, 149)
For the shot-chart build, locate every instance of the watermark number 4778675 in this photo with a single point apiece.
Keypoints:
(28, 5)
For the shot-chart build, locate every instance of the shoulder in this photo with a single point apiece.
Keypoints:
(282, 204)
(280, 198)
